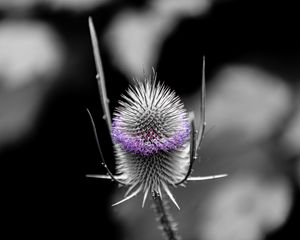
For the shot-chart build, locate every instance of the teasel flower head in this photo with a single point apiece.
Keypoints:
(150, 132)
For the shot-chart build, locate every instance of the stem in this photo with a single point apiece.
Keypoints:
(167, 224)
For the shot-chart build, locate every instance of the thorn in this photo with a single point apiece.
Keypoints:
(98, 176)
(206, 177)
(170, 195)
(130, 189)
(113, 177)
(145, 196)
(129, 197)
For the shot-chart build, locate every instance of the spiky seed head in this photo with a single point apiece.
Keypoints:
(150, 131)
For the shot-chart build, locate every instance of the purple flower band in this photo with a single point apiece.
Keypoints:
(150, 143)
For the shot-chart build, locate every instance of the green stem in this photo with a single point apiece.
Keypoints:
(167, 224)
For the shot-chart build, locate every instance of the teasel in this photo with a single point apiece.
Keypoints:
(154, 138)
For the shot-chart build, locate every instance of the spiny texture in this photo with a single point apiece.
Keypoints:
(151, 119)
(150, 130)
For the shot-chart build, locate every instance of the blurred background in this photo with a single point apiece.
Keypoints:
(47, 80)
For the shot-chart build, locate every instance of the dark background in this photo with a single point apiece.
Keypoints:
(45, 192)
